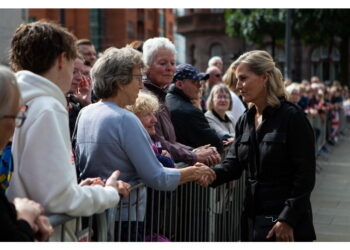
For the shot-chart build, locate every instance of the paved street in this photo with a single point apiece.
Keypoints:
(331, 196)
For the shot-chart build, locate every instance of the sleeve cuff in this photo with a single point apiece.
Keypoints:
(288, 215)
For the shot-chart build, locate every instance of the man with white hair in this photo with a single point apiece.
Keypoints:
(216, 61)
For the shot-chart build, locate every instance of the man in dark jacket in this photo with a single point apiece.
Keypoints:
(191, 126)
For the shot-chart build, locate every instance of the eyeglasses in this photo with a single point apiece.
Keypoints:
(139, 77)
(19, 118)
(222, 97)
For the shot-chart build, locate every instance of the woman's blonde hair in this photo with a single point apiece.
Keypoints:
(260, 62)
(146, 103)
(229, 78)
(220, 87)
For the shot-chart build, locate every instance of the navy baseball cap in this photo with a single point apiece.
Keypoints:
(187, 71)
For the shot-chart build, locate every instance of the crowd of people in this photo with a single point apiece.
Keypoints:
(81, 128)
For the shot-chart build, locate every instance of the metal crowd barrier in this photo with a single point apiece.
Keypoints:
(190, 213)
(319, 124)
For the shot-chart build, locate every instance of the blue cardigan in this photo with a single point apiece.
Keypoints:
(111, 138)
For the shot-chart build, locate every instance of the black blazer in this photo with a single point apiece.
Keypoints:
(191, 126)
(279, 159)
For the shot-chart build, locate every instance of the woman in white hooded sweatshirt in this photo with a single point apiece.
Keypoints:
(42, 54)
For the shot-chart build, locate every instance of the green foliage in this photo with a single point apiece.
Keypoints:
(313, 26)
(255, 24)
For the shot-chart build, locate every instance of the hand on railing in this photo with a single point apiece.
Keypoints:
(123, 188)
(33, 213)
(208, 155)
(92, 182)
(44, 228)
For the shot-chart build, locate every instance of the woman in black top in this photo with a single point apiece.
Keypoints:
(275, 145)
(22, 220)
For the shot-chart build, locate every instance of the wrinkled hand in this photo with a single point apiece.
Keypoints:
(45, 229)
(208, 155)
(92, 182)
(166, 153)
(205, 176)
(28, 210)
(283, 232)
(122, 188)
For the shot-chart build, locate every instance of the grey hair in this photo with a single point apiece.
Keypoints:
(114, 68)
(213, 60)
(260, 62)
(9, 89)
(220, 87)
(153, 45)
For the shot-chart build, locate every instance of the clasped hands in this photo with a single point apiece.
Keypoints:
(205, 175)
(208, 155)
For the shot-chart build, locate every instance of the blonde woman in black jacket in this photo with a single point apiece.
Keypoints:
(275, 146)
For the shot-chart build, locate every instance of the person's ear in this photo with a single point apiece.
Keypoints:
(266, 77)
(179, 84)
(60, 60)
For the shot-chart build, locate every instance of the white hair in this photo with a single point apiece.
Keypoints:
(291, 87)
(212, 60)
(153, 45)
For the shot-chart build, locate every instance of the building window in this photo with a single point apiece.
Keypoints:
(97, 27)
(192, 54)
(140, 30)
(32, 19)
(325, 63)
(215, 50)
(150, 15)
(161, 23)
(131, 30)
(217, 10)
(170, 30)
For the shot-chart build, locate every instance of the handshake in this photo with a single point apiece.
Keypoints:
(204, 175)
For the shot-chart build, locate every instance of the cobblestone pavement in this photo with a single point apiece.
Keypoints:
(331, 196)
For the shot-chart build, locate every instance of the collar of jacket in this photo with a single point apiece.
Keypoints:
(220, 119)
(178, 92)
(159, 92)
(268, 111)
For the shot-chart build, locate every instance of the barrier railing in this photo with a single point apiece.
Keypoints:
(190, 213)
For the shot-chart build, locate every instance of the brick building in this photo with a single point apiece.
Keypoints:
(111, 27)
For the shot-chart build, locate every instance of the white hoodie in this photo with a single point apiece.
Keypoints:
(44, 165)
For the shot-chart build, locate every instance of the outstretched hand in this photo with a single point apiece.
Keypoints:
(205, 176)
(208, 155)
